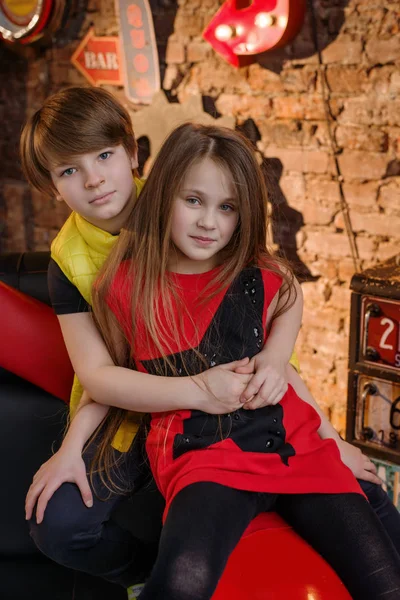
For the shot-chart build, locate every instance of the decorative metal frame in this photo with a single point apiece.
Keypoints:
(16, 30)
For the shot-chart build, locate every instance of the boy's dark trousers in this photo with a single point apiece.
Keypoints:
(384, 508)
(117, 538)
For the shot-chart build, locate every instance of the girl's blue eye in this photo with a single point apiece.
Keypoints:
(193, 201)
(104, 155)
(68, 172)
(227, 207)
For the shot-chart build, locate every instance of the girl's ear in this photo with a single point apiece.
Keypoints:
(134, 160)
(59, 198)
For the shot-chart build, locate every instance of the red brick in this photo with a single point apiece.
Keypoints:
(315, 364)
(325, 317)
(383, 51)
(293, 188)
(379, 80)
(316, 214)
(366, 248)
(316, 293)
(387, 250)
(282, 133)
(375, 224)
(216, 76)
(170, 77)
(175, 53)
(371, 139)
(187, 24)
(308, 106)
(328, 342)
(324, 267)
(263, 80)
(340, 298)
(394, 87)
(393, 112)
(346, 269)
(362, 165)
(361, 194)
(198, 51)
(364, 111)
(299, 80)
(244, 106)
(326, 190)
(346, 79)
(344, 50)
(307, 161)
(389, 197)
(327, 244)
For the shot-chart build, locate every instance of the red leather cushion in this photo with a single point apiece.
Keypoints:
(271, 562)
(31, 343)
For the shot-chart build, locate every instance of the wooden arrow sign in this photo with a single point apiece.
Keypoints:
(98, 59)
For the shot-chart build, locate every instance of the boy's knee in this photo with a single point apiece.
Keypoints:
(52, 538)
(64, 528)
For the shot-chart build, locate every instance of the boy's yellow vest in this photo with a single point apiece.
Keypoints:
(80, 249)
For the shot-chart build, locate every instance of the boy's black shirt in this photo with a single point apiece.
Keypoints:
(65, 297)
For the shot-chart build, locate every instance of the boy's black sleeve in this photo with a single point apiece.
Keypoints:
(65, 297)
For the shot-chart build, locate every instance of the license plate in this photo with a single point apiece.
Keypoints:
(380, 332)
(378, 413)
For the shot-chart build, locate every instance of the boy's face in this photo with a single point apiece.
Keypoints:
(98, 185)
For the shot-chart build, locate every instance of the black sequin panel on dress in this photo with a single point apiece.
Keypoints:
(240, 318)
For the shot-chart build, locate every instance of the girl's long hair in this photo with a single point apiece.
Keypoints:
(146, 246)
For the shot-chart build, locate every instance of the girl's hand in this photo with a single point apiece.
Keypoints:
(268, 384)
(359, 464)
(64, 466)
(224, 386)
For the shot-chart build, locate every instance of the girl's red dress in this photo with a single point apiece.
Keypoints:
(273, 449)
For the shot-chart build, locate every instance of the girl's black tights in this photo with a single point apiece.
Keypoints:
(206, 521)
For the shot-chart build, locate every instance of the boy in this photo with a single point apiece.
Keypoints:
(80, 146)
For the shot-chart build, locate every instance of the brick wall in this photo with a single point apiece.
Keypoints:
(283, 94)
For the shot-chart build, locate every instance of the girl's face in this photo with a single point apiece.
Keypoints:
(204, 217)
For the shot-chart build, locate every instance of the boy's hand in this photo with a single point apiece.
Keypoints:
(268, 384)
(224, 386)
(359, 464)
(64, 466)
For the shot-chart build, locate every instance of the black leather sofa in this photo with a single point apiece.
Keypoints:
(32, 422)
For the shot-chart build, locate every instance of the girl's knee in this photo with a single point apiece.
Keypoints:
(190, 576)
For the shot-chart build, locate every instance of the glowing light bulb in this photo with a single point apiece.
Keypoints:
(263, 20)
(224, 32)
(239, 30)
(282, 21)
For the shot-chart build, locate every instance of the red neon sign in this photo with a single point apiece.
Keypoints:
(238, 32)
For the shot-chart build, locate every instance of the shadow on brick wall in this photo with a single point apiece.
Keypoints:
(322, 24)
(164, 13)
(286, 221)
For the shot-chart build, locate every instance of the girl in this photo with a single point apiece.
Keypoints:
(191, 285)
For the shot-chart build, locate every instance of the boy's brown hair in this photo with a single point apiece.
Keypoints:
(74, 121)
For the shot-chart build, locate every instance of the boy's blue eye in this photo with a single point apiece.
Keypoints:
(104, 155)
(68, 172)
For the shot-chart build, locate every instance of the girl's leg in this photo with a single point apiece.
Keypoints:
(204, 524)
(346, 532)
(385, 510)
(87, 539)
